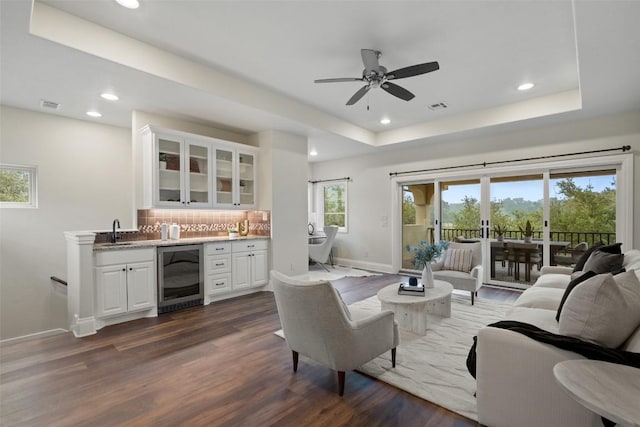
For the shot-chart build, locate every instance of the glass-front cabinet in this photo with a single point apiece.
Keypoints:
(183, 173)
(191, 171)
(235, 178)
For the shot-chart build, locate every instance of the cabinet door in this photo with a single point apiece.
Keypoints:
(140, 286)
(225, 177)
(260, 268)
(169, 184)
(241, 270)
(198, 175)
(111, 290)
(246, 191)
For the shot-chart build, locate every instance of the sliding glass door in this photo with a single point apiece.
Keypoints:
(418, 219)
(525, 219)
(582, 212)
(460, 210)
(515, 228)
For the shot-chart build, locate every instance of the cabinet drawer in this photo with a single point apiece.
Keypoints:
(250, 245)
(124, 256)
(217, 283)
(218, 264)
(217, 248)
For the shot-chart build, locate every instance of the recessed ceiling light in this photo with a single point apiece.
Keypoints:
(385, 120)
(109, 96)
(129, 4)
(525, 86)
(93, 114)
(313, 153)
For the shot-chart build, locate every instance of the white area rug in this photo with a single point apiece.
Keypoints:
(433, 367)
(316, 273)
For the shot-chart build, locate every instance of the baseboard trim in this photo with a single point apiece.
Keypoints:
(34, 335)
(370, 266)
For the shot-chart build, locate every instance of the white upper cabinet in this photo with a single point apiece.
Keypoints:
(235, 178)
(190, 171)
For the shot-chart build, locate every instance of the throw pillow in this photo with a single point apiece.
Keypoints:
(597, 311)
(458, 260)
(615, 248)
(602, 262)
(572, 284)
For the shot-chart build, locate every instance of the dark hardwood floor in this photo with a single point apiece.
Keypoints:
(219, 365)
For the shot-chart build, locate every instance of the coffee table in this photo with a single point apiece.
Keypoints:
(411, 311)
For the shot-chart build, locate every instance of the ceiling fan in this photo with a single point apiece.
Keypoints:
(375, 75)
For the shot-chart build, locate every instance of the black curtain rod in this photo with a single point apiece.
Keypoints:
(329, 180)
(485, 164)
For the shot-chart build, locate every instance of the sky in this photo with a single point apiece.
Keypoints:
(527, 190)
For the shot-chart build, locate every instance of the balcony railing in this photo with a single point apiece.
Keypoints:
(574, 237)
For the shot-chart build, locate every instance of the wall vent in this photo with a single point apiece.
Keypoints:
(49, 104)
(438, 106)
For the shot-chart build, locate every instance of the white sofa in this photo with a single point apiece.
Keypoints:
(515, 382)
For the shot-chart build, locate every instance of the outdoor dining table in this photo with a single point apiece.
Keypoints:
(525, 247)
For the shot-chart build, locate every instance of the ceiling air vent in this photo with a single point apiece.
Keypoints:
(438, 106)
(49, 104)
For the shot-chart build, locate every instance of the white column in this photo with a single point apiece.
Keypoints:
(80, 283)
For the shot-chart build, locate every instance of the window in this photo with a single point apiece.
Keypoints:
(333, 204)
(18, 186)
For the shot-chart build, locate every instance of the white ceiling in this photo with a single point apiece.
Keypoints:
(275, 49)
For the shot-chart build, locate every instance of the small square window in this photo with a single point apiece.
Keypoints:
(18, 186)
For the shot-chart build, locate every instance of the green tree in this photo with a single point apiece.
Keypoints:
(14, 186)
(583, 209)
(334, 205)
(469, 216)
(408, 209)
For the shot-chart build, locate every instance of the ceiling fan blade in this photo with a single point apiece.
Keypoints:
(359, 94)
(398, 91)
(370, 59)
(345, 79)
(413, 70)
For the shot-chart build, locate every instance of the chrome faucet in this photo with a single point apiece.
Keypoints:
(114, 236)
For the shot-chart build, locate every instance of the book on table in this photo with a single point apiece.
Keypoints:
(407, 289)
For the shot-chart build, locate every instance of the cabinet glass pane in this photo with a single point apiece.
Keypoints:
(198, 174)
(169, 170)
(246, 174)
(224, 176)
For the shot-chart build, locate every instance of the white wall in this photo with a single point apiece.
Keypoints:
(84, 183)
(368, 242)
(284, 172)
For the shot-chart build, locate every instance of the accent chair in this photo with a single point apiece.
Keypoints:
(317, 324)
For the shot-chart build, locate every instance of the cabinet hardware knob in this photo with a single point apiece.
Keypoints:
(130, 268)
(124, 269)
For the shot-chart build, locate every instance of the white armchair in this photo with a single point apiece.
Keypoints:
(465, 280)
(317, 324)
(320, 252)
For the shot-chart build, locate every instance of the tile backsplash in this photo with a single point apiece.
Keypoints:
(194, 223)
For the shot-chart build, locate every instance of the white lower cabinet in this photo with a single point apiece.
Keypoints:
(217, 267)
(249, 263)
(125, 281)
(233, 268)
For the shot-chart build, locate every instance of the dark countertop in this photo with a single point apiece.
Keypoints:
(136, 244)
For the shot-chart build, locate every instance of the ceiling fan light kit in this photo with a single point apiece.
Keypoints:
(376, 76)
